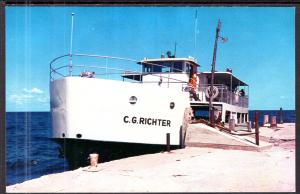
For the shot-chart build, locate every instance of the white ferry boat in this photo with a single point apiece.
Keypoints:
(119, 112)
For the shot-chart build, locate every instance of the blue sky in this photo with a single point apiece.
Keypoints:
(260, 50)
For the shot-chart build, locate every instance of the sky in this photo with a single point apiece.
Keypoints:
(260, 48)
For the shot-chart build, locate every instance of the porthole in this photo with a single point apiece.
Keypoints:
(172, 105)
(132, 100)
(78, 135)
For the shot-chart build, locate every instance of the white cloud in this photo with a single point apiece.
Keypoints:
(33, 91)
(28, 96)
(21, 98)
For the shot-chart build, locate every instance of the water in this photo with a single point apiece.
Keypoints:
(30, 153)
(289, 116)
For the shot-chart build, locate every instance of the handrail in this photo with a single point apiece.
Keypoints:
(225, 95)
(54, 70)
(121, 58)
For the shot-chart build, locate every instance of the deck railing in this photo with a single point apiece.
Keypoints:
(105, 67)
(225, 95)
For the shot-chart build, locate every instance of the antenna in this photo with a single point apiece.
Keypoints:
(71, 45)
(175, 50)
(195, 31)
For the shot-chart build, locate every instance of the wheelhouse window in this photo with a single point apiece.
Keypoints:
(177, 67)
(163, 67)
(187, 67)
(147, 68)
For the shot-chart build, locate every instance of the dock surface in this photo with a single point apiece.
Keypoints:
(193, 169)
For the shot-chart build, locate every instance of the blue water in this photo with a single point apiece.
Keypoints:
(30, 153)
(289, 116)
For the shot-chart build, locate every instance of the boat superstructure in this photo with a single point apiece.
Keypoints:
(230, 100)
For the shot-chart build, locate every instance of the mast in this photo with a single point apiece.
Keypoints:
(195, 31)
(211, 111)
(71, 46)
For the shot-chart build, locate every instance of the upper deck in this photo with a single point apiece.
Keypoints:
(164, 72)
(231, 89)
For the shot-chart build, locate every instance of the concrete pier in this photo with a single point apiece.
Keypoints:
(201, 135)
(192, 169)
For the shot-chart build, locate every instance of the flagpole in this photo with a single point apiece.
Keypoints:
(71, 46)
(195, 31)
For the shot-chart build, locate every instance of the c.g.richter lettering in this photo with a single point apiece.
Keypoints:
(147, 121)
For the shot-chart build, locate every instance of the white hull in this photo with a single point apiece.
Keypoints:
(98, 109)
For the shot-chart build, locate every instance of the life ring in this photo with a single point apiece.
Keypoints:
(215, 92)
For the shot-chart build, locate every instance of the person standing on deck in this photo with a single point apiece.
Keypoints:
(193, 81)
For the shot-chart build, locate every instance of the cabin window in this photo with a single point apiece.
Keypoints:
(164, 67)
(157, 68)
(177, 67)
(147, 68)
(187, 68)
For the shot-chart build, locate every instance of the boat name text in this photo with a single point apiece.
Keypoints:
(147, 121)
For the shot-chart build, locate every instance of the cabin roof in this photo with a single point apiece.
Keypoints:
(225, 78)
(191, 60)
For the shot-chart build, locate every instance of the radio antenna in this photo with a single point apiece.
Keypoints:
(195, 31)
(71, 46)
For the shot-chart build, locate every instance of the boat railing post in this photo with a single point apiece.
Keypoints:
(227, 97)
(203, 92)
(141, 73)
(240, 101)
(249, 126)
(169, 78)
(256, 128)
(280, 116)
(232, 124)
(168, 142)
(181, 140)
(243, 101)
(222, 100)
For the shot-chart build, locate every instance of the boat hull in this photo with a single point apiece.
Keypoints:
(115, 111)
(76, 151)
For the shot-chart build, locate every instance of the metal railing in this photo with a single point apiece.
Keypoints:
(105, 69)
(225, 95)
